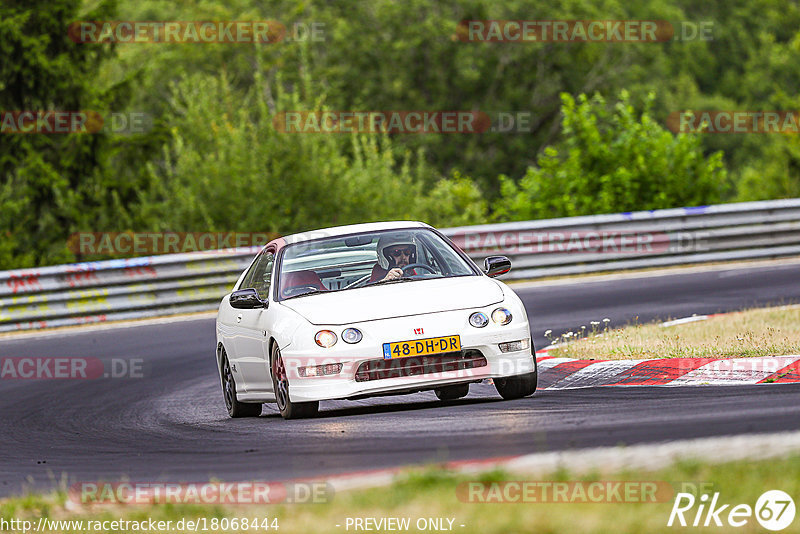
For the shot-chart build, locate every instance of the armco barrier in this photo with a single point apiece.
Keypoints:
(118, 289)
(553, 247)
(171, 283)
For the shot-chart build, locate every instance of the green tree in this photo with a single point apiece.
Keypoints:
(228, 168)
(613, 160)
(388, 55)
(56, 184)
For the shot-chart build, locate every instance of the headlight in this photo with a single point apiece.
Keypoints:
(325, 338)
(351, 335)
(501, 316)
(478, 319)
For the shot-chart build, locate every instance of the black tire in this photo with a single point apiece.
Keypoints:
(235, 408)
(280, 384)
(517, 387)
(452, 392)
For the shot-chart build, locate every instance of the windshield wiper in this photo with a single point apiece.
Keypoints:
(311, 291)
(380, 282)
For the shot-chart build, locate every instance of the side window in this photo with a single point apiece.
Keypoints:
(248, 278)
(262, 275)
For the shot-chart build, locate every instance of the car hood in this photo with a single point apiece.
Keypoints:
(397, 300)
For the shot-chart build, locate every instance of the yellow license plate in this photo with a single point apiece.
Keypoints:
(421, 347)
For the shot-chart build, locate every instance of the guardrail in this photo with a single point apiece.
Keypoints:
(554, 247)
(175, 283)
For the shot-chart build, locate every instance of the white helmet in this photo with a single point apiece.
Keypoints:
(392, 240)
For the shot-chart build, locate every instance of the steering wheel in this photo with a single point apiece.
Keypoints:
(412, 266)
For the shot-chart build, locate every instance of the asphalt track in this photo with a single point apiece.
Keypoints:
(171, 424)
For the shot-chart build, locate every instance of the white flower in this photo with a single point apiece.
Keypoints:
(547, 333)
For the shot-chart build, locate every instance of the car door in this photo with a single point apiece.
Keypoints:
(252, 351)
(229, 320)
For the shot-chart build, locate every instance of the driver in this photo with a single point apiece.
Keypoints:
(395, 251)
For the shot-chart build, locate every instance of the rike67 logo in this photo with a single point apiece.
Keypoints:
(774, 510)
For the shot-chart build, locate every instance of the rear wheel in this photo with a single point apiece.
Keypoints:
(280, 383)
(452, 392)
(235, 408)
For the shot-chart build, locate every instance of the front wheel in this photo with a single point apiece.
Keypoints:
(280, 384)
(516, 387)
(235, 408)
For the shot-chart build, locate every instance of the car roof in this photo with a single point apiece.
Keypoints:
(348, 229)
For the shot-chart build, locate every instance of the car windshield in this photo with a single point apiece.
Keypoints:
(368, 259)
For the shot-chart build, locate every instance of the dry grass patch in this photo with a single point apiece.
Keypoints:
(750, 333)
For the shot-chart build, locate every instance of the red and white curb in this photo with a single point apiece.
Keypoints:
(569, 373)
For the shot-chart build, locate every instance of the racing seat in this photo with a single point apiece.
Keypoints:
(300, 279)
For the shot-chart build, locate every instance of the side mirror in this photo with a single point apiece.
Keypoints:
(496, 265)
(246, 299)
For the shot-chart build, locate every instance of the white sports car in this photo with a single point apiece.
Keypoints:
(366, 310)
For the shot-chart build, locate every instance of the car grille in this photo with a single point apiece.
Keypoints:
(419, 365)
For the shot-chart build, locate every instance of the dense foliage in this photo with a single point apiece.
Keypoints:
(213, 160)
(612, 161)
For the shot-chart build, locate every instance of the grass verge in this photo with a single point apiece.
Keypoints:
(433, 493)
(756, 332)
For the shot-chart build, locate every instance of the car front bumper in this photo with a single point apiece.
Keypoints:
(345, 385)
